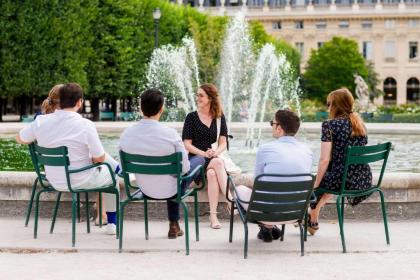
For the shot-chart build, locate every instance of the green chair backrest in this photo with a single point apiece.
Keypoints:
(366, 155)
(278, 197)
(42, 157)
(151, 165)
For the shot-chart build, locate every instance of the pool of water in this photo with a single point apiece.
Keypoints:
(405, 155)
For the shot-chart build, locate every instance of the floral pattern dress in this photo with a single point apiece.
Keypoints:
(359, 176)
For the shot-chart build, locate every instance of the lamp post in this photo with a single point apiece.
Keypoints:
(156, 17)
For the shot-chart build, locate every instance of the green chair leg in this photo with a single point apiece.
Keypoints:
(197, 230)
(384, 216)
(29, 210)
(340, 221)
(100, 210)
(78, 207)
(283, 230)
(305, 230)
(57, 203)
(38, 194)
(302, 242)
(121, 219)
(117, 202)
(87, 212)
(232, 209)
(73, 219)
(187, 237)
(146, 221)
(246, 241)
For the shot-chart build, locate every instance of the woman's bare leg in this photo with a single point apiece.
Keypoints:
(315, 212)
(213, 194)
(218, 165)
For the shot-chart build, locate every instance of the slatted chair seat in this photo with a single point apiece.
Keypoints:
(281, 199)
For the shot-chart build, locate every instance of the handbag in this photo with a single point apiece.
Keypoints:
(230, 167)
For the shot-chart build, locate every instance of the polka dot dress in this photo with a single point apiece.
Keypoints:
(359, 177)
(201, 135)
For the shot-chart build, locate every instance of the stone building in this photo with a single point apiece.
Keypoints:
(388, 33)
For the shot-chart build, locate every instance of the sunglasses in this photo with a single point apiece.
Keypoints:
(273, 123)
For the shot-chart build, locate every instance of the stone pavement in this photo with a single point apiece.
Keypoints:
(96, 255)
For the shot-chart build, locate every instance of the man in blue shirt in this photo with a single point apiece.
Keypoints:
(285, 155)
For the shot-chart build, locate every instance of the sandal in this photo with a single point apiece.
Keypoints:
(312, 226)
(216, 224)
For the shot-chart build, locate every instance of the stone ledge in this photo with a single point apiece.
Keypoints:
(398, 187)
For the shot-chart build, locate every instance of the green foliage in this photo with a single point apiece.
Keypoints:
(14, 156)
(333, 66)
(104, 45)
(261, 37)
(399, 109)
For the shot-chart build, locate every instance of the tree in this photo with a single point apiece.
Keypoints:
(333, 66)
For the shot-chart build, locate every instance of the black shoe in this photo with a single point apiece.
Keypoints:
(265, 234)
(276, 233)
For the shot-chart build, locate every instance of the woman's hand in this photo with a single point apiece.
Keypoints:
(210, 153)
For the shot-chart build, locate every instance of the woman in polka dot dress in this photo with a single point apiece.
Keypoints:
(344, 128)
(199, 133)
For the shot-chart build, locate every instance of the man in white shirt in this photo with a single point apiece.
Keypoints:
(150, 138)
(285, 155)
(66, 127)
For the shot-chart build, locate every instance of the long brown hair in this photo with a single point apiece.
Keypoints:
(341, 103)
(215, 103)
(52, 102)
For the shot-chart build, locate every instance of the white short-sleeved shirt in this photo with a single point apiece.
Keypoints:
(151, 138)
(285, 155)
(66, 128)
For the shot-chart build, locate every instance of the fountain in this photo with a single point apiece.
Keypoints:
(259, 79)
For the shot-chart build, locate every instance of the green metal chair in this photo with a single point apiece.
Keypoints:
(158, 165)
(106, 116)
(41, 157)
(360, 155)
(321, 116)
(43, 182)
(127, 116)
(274, 201)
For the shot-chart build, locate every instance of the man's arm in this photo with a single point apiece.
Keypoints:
(20, 141)
(259, 162)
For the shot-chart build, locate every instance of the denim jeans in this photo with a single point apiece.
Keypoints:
(173, 207)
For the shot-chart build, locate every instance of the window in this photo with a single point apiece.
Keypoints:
(367, 50)
(343, 24)
(300, 47)
(389, 23)
(412, 50)
(299, 24)
(413, 23)
(390, 51)
(367, 24)
(390, 91)
(321, 25)
(413, 90)
(277, 25)
(320, 44)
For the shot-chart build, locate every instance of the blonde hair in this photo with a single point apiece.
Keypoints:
(213, 94)
(52, 102)
(341, 103)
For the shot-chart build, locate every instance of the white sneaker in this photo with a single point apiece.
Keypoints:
(111, 229)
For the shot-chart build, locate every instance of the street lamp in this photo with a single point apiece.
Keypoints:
(156, 17)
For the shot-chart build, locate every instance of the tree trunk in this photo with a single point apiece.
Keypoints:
(114, 106)
(1, 109)
(22, 106)
(94, 107)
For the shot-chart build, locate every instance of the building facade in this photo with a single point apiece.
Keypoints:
(388, 33)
